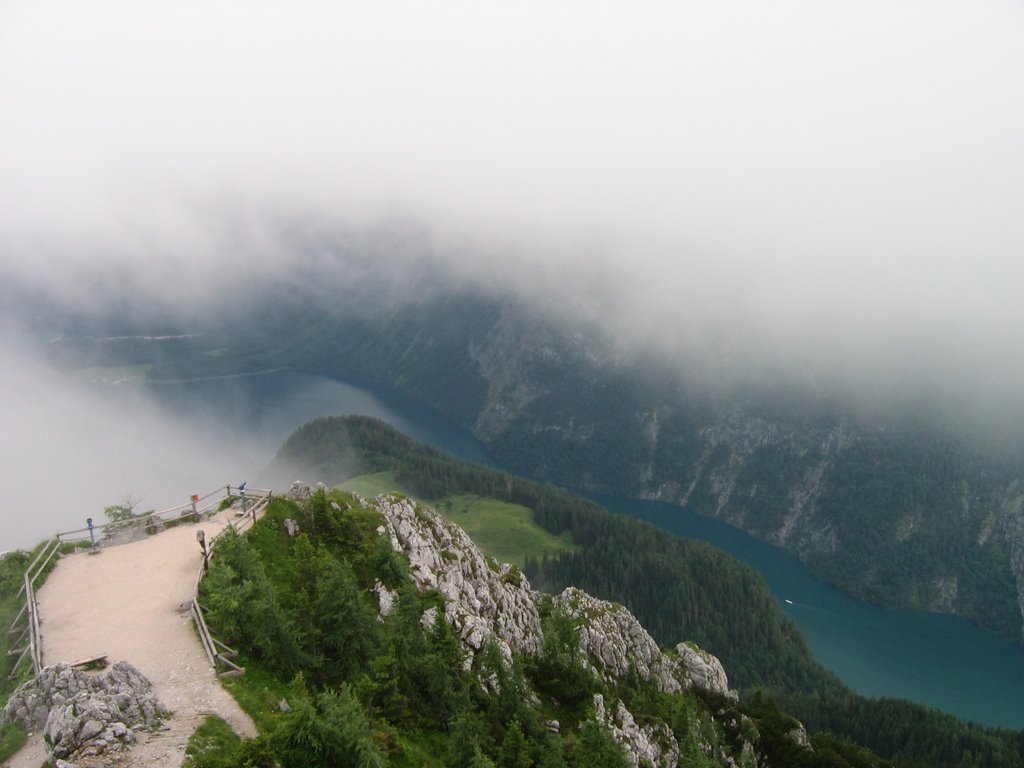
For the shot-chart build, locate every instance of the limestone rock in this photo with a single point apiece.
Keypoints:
(799, 736)
(385, 599)
(300, 490)
(428, 618)
(616, 642)
(704, 670)
(482, 599)
(644, 745)
(83, 714)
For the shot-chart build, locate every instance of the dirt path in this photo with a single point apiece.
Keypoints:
(127, 602)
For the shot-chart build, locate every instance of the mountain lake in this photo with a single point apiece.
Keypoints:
(938, 660)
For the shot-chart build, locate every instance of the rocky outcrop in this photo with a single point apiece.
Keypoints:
(616, 642)
(83, 714)
(300, 490)
(617, 645)
(385, 599)
(703, 670)
(644, 745)
(482, 599)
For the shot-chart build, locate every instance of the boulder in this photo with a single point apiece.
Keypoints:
(704, 670)
(83, 714)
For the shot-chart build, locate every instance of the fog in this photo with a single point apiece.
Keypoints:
(784, 174)
(829, 187)
(69, 449)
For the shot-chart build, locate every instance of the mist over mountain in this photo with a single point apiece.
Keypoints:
(823, 190)
(731, 208)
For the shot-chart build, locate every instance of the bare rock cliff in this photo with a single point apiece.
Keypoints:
(484, 600)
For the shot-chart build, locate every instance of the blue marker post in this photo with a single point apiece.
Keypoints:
(92, 533)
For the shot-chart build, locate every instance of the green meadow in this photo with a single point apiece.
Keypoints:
(502, 530)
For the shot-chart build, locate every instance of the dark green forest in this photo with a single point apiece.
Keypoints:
(679, 589)
(361, 691)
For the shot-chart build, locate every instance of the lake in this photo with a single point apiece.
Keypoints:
(937, 660)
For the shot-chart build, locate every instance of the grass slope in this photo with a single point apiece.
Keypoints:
(502, 530)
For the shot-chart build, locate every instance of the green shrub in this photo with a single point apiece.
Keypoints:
(215, 745)
(12, 738)
(331, 731)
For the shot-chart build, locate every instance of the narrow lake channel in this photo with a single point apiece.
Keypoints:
(937, 660)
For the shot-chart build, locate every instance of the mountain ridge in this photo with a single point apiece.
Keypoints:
(888, 505)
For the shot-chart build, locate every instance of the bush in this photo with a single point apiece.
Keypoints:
(331, 731)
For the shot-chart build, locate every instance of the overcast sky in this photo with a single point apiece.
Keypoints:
(826, 172)
(797, 180)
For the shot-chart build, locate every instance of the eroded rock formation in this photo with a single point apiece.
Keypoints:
(83, 714)
(484, 600)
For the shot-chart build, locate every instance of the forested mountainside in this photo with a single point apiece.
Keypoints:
(392, 640)
(679, 589)
(887, 505)
(375, 633)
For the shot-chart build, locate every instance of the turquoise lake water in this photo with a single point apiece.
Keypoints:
(936, 660)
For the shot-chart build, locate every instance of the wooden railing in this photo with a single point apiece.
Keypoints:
(30, 633)
(216, 651)
(27, 623)
(201, 506)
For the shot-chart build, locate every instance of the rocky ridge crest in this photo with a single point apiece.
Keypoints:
(487, 601)
(482, 599)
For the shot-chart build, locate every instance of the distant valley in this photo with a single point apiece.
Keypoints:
(891, 506)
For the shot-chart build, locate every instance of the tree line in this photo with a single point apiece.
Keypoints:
(678, 589)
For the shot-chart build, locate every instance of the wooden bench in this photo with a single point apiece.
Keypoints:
(100, 659)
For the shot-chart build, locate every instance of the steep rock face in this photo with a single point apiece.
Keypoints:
(558, 400)
(763, 475)
(482, 599)
(617, 644)
(83, 714)
(1012, 514)
(645, 745)
(615, 641)
(502, 358)
(703, 669)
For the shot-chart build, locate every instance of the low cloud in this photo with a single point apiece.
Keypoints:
(69, 449)
(828, 187)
